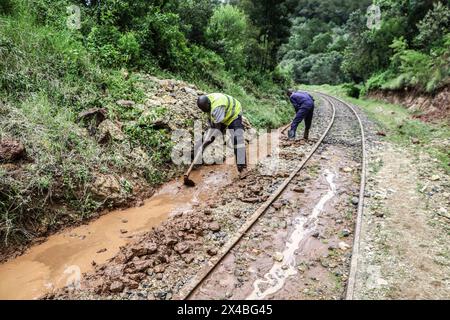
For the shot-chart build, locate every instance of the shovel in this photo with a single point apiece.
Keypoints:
(188, 182)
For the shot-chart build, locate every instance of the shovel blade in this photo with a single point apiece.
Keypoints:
(188, 182)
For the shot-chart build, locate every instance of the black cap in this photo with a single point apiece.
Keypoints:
(204, 103)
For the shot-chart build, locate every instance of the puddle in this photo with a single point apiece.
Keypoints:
(274, 280)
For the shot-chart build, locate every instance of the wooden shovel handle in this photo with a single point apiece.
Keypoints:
(197, 157)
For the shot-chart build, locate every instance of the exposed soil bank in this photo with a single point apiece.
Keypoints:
(429, 106)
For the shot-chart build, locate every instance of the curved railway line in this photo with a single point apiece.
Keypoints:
(337, 106)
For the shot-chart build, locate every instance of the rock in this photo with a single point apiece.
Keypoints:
(108, 130)
(11, 150)
(106, 186)
(345, 233)
(186, 226)
(435, 178)
(170, 241)
(126, 103)
(95, 116)
(116, 287)
(182, 247)
(159, 269)
(189, 91)
(124, 221)
(188, 258)
(343, 246)
(168, 100)
(250, 200)
(207, 212)
(214, 226)
(148, 248)
(102, 250)
(299, 189)
(278, 256)
(381, 133)
(379, 214)
(415, 141)
(138, 266)
(355, 201)
(347, 169)
(159, 276)
(212, 251)
(316, 234)
(277, 205)
(123, 231)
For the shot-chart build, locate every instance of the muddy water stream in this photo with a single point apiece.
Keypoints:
(63, 257)
(275, 279)
(66, 255)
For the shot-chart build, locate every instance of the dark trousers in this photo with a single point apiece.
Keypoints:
(306, 113)
(237, 135)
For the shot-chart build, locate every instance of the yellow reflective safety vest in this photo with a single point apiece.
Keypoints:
(232, 106)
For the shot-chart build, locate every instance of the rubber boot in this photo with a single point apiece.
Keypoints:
(291, 135)
(306, 136)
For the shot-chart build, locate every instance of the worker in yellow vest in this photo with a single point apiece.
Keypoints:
(225, 112)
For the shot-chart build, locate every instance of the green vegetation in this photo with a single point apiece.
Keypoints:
(56, 65)
(399, 125)
(330, 43)
(62, 59)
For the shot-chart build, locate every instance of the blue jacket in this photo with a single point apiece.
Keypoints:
(302, 99)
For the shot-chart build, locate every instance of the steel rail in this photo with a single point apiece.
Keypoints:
(350, 293)
(197, 281)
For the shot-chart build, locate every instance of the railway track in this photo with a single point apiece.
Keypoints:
(336, 105)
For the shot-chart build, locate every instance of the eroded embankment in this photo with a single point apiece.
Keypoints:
(429, 107)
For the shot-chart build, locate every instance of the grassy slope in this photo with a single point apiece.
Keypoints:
(46, 78)
(400, 127)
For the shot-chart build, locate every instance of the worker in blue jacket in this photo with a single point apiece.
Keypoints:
(303, 104)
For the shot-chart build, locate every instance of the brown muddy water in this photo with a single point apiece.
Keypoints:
(64, 256)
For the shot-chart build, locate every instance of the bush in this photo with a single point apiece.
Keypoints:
(352, 90)
(6, 7)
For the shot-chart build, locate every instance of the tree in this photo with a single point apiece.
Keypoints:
(194, 17)
(226, 34)
(271, 18)
(433, 26)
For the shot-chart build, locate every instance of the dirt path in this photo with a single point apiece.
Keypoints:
(405, 248)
